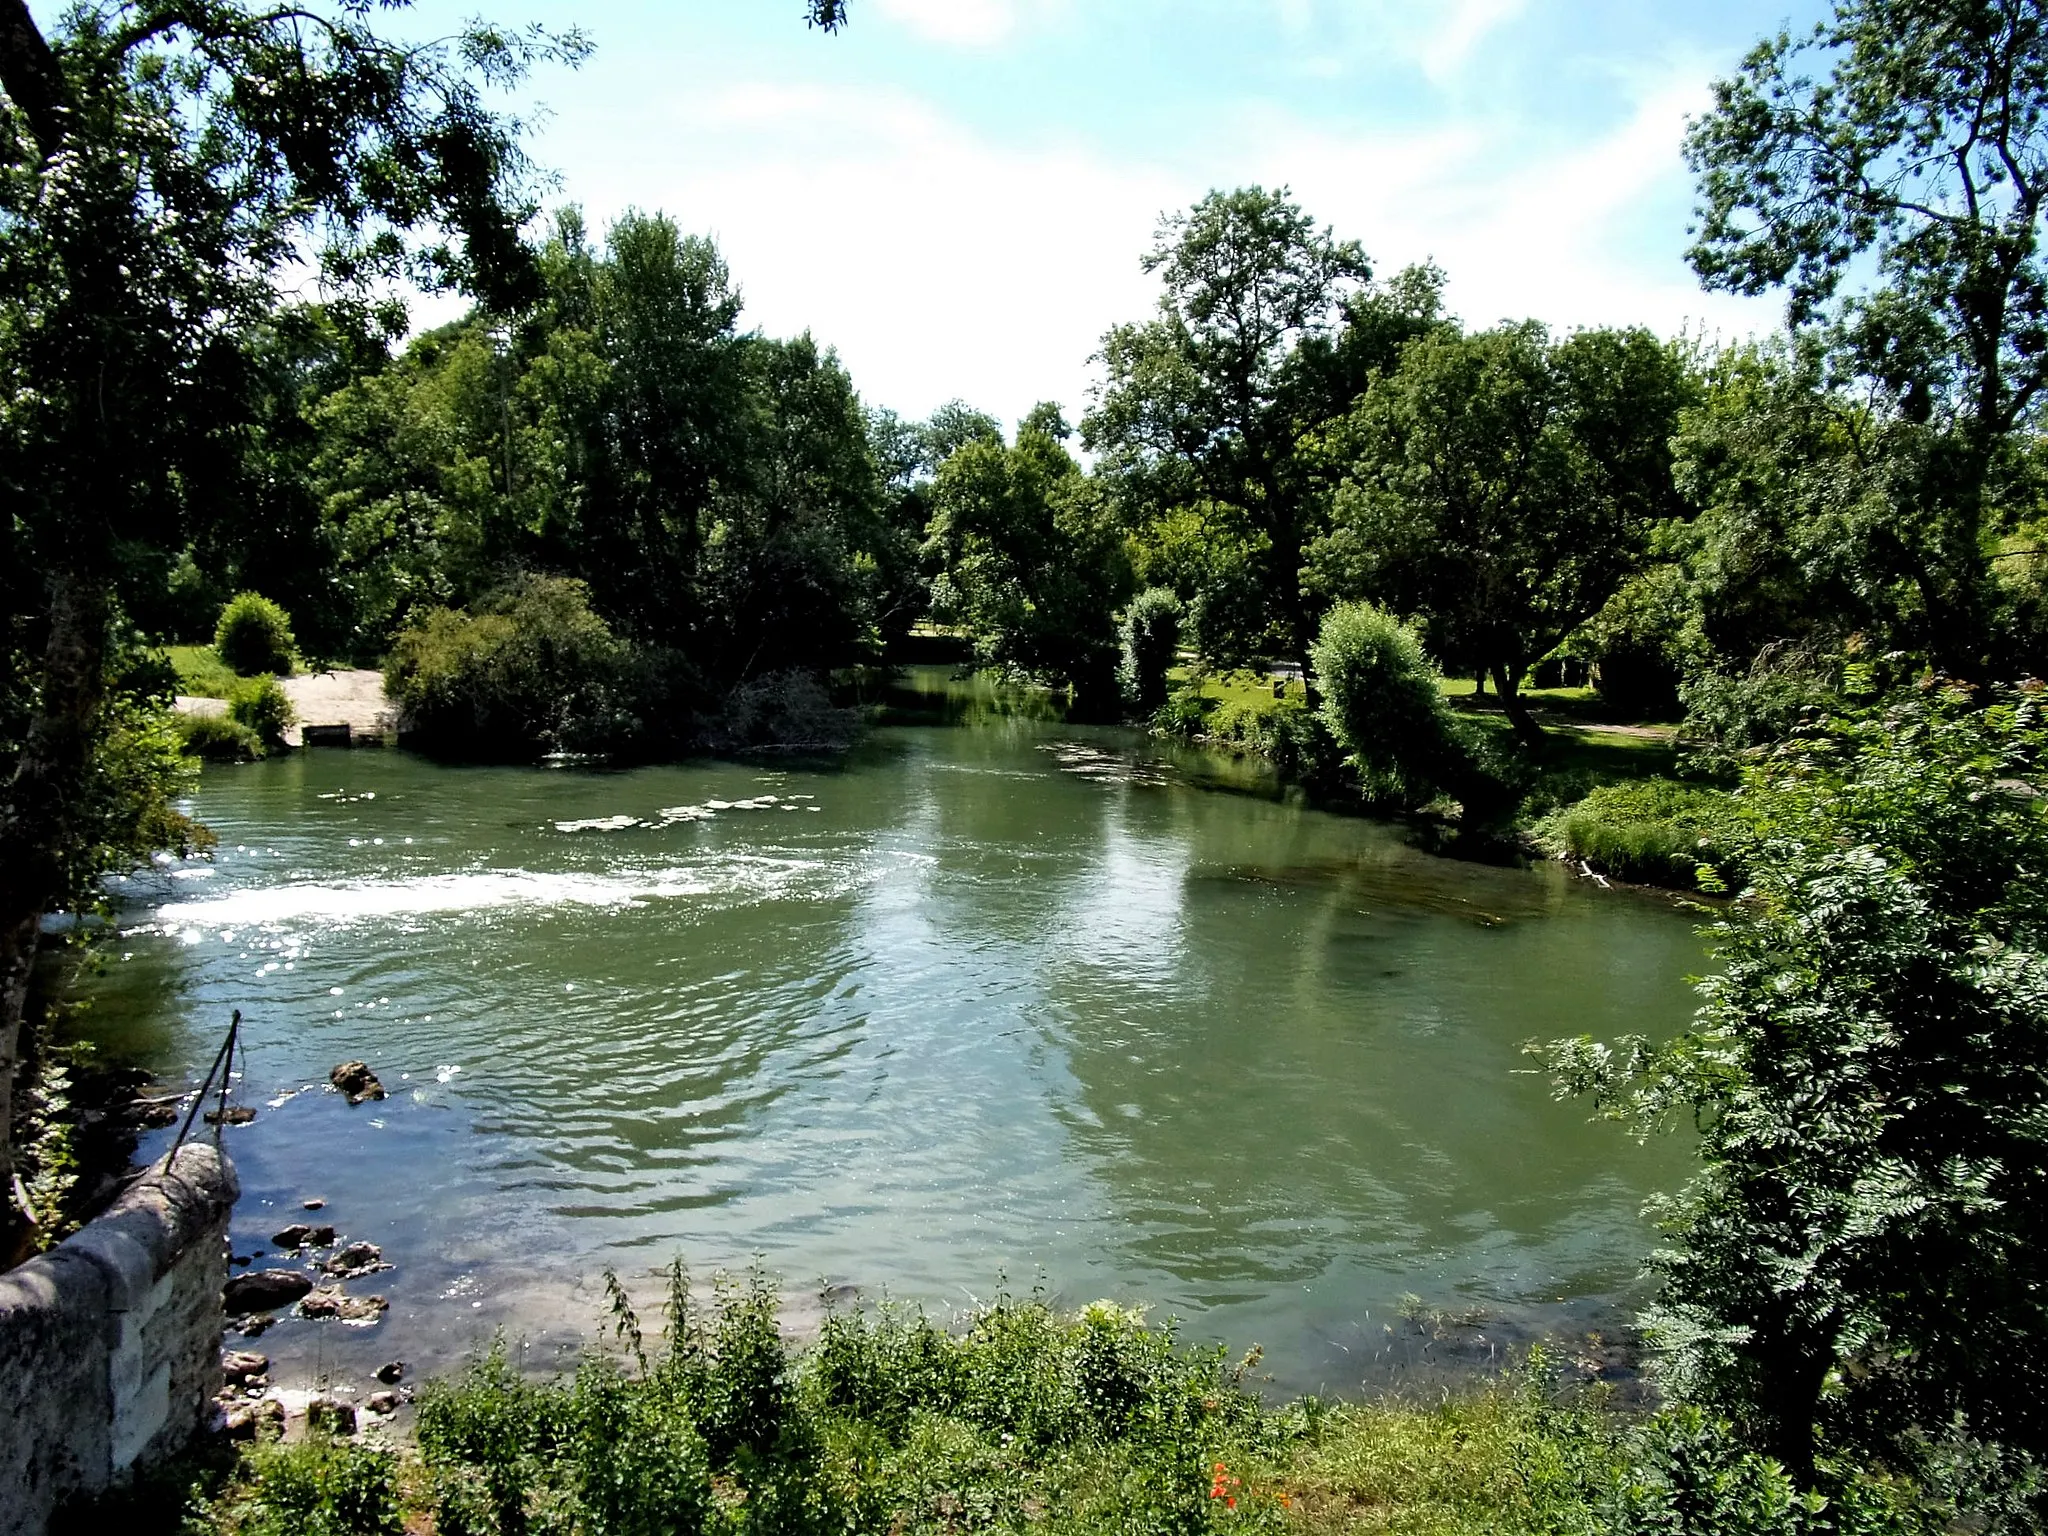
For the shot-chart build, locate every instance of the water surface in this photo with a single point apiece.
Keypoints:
(1015, 1001)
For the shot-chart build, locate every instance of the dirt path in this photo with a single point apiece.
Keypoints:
(353, 698)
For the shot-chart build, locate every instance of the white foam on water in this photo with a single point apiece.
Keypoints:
(600, 824)
(749, 877)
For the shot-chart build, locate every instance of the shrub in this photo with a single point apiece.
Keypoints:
(1383, 702)
(218, 739)
(255, 635)
(1185, 715)
(1151, 638)
(262, 706)
(534, 670)
(1856, 1269)
(317, 1487)
(1653, 831)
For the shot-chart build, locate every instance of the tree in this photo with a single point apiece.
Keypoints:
(1898, 201)
(1029, 558)
(1267, 327)
(1859, 1266)
(1502, 485)
(158, 163)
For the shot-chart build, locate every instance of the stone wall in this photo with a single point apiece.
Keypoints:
(110, 1343)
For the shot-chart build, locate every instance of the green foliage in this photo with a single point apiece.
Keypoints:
(315, 1487)
(218, 739)
(261, 704)
(1383, 703)
(1689, 1474)
(1502, 485)
(1151, 640)
(1654, 831)
(1026, 1418)
(1028, 558)
(1267, 327)
(535, 671)
(1857, 1269)
(254, 636)
(1886, 170)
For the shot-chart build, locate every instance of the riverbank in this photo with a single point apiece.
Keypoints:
(1022, 1418)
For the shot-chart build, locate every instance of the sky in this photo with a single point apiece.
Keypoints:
(955, 194)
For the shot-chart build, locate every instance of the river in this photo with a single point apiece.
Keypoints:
(1016, 1004)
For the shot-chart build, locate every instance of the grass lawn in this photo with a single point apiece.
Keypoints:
(201, 672)
(1585, 735)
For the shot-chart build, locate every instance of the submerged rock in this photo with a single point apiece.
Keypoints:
(391, 1373)
(357, 1081)
(356, 1259)
(333, 1302)
(263, 1290)
(234, 1114)
(250, 1327)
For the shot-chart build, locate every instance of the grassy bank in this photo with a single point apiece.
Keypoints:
(1026, 1419)
(1601, 793)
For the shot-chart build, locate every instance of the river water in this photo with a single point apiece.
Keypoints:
(1021, 1003)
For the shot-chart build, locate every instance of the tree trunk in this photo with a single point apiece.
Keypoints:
(36, 824)
(1507, 685)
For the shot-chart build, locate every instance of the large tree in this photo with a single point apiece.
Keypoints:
(1501, 486)
(159, 163)
(1267, 326)
(1028, 557)
(1887, 170)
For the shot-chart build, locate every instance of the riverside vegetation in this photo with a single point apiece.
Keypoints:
(597, 516)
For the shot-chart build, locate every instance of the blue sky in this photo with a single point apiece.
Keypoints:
(955, 193)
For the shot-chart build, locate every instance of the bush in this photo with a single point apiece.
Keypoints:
(259, 704)
(1151, 638)
(1384, 705)
(1653, 831)
(218, 739)
(317, 1487)
(255, 635)
(535, 670)
(1856, 1269)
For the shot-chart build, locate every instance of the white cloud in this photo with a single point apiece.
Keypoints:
(1443, 49)
(963, 23)
(942, 263)
(1521, 227)
(939, 264)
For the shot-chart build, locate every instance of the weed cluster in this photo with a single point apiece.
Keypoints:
(1026, 1419)
(1653, 831)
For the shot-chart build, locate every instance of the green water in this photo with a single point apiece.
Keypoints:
(1018, 1000)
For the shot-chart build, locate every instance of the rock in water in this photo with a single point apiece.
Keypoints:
(356, 1259)
(332, 1301)
(382, 1402)
(234, 1114)
(241, 1364)
(391, 1373)
(300, 1235)
(357, 1081)
(265, 1289)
